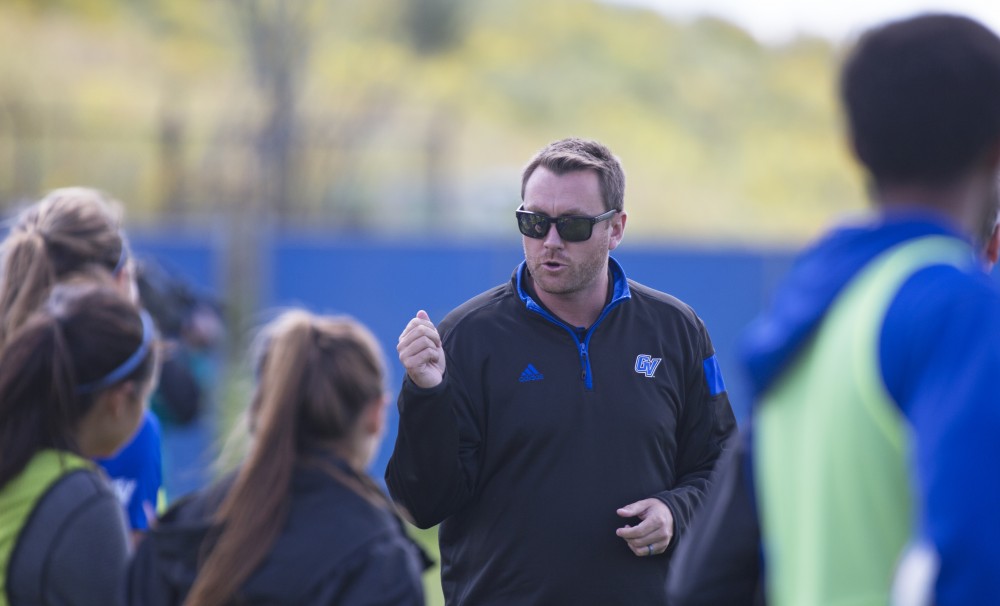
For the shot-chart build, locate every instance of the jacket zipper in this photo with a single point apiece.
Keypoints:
(581, 345)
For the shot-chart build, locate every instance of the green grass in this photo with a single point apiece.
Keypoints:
(428, 539)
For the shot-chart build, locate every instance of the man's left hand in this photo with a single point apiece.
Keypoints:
(653, 534)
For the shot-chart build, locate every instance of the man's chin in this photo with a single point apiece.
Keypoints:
(552, 287)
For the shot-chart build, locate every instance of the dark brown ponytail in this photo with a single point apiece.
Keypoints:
(84, 333)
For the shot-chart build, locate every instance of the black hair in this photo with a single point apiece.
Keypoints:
(922, 97)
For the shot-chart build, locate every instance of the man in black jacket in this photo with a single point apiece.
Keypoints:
(562, 426)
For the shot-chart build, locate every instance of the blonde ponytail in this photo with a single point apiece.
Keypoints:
(27, 276)
(68, 231)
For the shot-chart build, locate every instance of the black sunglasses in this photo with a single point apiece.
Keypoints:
(571, 229)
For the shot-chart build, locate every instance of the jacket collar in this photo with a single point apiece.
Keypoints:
(619, 286)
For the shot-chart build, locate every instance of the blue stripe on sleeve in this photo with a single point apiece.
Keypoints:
(713, 376)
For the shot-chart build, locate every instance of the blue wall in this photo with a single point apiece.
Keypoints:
(195, 256)
(384, 282)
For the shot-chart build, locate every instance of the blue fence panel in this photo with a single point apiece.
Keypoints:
(726, 288)
(194, 256)
(188, 450)
(383, 284)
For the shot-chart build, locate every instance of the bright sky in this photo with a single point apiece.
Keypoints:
(779, 20)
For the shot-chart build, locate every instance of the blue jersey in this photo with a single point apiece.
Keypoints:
(136, 473)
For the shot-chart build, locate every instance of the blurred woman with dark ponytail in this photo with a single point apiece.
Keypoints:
(74, 378)
(299, 522)
(75, 232)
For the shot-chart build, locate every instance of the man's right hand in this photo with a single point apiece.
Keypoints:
(420, 351)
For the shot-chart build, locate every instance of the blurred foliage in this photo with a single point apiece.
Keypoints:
(379, 115)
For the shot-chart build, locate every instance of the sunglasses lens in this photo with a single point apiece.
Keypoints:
(532, 225)
(574, 229)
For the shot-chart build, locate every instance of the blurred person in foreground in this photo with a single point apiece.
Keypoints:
(75, 232)
(562, 426)
(74, 379)
(874, 428)
(299, 522)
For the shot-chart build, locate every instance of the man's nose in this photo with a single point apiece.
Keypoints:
(552, 239)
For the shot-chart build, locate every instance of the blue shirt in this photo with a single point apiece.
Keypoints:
(939, 356)
(136, 473)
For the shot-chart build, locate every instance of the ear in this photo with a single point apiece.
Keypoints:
(125, 283)
(117, 400)
(617, 230)
(373, 417)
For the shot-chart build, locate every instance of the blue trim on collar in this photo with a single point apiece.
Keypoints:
(620, 292)
(620, 288)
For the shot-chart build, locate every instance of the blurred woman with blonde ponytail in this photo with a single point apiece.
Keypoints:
(71, 230)
(299, 522)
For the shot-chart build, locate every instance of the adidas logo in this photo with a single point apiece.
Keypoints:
(531, 374)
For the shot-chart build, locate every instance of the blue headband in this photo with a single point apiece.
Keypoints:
(128, 366)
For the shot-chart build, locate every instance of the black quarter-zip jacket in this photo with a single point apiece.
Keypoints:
(541, 431)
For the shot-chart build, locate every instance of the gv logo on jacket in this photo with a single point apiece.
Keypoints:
(646, 365)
